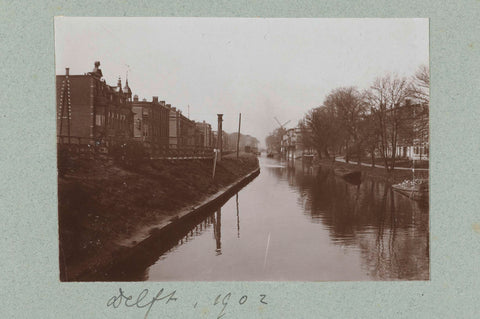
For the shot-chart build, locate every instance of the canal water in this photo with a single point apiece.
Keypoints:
(296, 222)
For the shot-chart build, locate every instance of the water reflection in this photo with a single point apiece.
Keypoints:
(238, 216)
(390, 230)
(299, 222)
(217, 226)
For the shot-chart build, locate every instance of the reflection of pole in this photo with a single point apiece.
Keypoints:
(220, 136)
(238, 218)
(238, 137)
(393, 225)
(218, 231)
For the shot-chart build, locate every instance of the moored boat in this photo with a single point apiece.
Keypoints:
(351, 176)
(346, 173)
(416, 189)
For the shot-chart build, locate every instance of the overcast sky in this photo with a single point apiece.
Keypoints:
(263, 68)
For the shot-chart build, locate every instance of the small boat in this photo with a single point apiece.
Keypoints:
(352, 177)
(416, 189)
(346, 173)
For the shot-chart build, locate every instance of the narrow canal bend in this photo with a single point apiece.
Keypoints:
(298, 223)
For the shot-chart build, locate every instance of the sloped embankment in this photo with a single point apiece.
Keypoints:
(101, 203)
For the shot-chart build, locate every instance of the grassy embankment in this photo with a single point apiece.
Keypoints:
(393, 177)
(102, 203)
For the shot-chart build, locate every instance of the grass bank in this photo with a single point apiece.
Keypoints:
(102, 203)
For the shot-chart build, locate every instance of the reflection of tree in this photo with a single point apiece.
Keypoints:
(400, 248)
(390, 230)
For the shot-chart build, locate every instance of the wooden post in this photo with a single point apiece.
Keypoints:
(214, 163)
(220, 136)
(238, 137)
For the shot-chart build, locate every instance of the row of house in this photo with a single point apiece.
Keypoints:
(91, 112)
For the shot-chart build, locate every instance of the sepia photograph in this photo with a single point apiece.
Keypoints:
(242, 149)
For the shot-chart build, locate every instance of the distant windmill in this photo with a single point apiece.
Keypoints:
(279, 124)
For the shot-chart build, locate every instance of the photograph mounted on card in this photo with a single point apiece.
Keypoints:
(242, 149)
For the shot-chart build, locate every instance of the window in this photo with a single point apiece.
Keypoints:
(99, 119)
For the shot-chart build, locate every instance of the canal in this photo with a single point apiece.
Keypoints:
(296, 222)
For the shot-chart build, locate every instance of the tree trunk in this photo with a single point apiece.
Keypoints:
(319, 152)
(359, 153)
(347, 155)
(394, 145)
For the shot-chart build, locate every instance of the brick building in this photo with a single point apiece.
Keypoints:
(204, 135)
(181, 130)
(413, 135)
(151, 124)
(174, 127)
(91, 112)
(187, 132)
(95, 115)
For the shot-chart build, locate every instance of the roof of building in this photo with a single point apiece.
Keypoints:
(126, 88)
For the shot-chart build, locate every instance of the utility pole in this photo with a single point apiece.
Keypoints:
(238, 137)
(219, 137)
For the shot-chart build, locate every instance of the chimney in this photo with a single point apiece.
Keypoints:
(144, 100)
(162, 103)
(173, 108)
(67, 71)
(155, 99)
(135, 98)
(169, 105)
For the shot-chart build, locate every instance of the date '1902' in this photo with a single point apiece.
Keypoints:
(143, 301)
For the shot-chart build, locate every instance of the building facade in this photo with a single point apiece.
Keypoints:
(151, 124)
(91, 112)
(205, 135)
(96, 115)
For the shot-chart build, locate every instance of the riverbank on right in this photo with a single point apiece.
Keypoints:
(379, 173)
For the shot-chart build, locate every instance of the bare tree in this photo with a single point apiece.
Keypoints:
(348, 106)
(369, 135)
(321, 123)
(305, 135)
(419, 88)
(386, 96)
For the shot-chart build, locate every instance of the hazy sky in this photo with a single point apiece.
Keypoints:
(260, 67)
